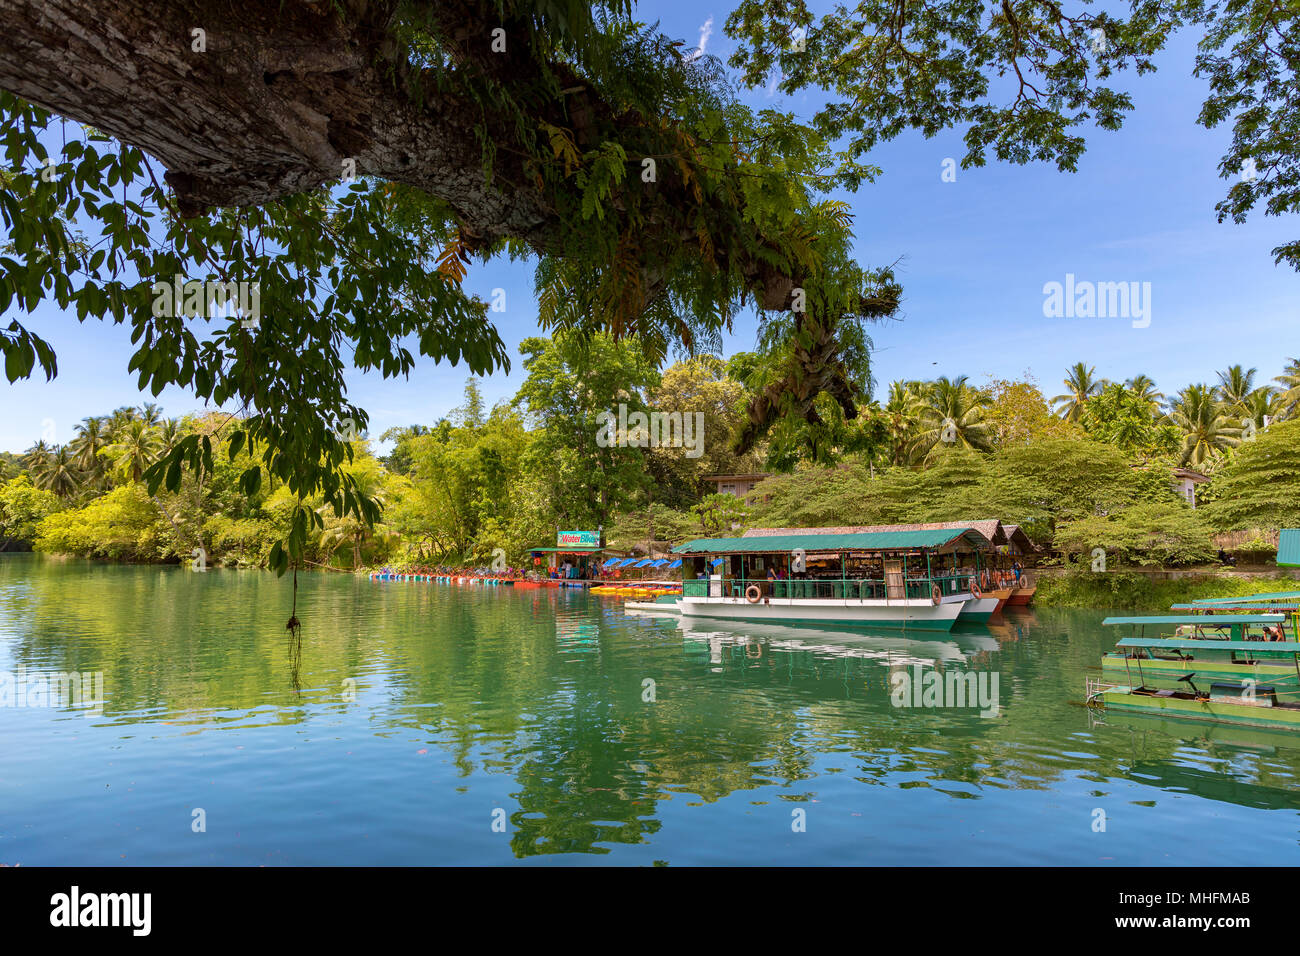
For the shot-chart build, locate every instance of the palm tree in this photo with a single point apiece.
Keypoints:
(150, 413)
(900, 420)
(33, 456)
(57, 472)
(1144, 388)
(1288, 402)
(347, 528)
(136, 448)
(950, 414)
(1260, 407)
(1235, 386)
(1079, 387)
(91, 439)
(169, 433)
(1207, 429)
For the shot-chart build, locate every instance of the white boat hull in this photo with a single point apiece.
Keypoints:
(921, 614)
(973, 608)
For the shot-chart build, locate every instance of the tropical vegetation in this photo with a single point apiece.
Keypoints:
(1098, 471)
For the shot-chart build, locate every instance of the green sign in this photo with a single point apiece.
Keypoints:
(589, 539)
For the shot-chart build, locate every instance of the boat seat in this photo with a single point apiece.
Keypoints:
(1164, 693)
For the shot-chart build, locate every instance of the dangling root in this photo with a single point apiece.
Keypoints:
(294, 627)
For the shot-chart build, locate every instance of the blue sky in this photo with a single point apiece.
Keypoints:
(973, 256)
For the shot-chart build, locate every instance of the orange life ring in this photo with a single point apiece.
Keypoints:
(753, 594)
(936, 596)
(975, 589)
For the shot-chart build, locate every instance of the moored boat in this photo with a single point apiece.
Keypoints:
(1223, 647)
(923, 579)
(1252, 677)
(1022, 592)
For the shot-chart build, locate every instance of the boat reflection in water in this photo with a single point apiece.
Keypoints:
(862, 664)
(1248, 766)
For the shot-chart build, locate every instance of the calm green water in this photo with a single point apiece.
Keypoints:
(423, 712)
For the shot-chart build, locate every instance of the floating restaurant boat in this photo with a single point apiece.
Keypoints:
(923, 579)
(1246, 679)
(1022, 593)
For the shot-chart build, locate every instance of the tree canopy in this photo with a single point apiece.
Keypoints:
(349, 160)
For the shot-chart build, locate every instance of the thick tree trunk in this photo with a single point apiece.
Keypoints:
(246, 103)
(279, 98)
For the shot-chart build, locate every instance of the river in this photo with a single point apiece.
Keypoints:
(434, 724)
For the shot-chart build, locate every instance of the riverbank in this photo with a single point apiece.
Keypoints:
(1153, 590)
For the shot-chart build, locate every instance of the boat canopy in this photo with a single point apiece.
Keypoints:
(676, 564)
(1217, 620)
(1249, 599)
(1288, 648)
(863, 541)
(1289, 606)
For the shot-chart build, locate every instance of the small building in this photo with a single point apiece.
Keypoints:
(1016, 540)
(580, 550)
(738, 485)
(1288, 548)
(1185, 481)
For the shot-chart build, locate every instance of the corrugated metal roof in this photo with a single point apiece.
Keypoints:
(1200, 620)
(1264, 598)
(1288, 548)
(988, 527)
(1257, 649)
(868, 541)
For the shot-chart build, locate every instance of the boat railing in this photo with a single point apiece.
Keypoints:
(842, 588)
(1094, 687)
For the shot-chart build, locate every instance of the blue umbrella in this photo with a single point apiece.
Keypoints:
(716, 561)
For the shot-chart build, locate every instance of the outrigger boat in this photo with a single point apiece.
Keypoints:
(923, 579)
(1194, 648)
(1243, 680)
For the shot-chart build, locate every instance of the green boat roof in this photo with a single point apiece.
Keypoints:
(1288, 548)
(808, 541)
(1272, 608)
(1281, 648)
(1249, 599)
(1200, 620)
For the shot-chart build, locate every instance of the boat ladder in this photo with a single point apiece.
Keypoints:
(1094, 687)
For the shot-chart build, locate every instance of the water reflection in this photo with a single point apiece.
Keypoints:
(425, 708)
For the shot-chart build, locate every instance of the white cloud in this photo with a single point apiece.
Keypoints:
(706, 31)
